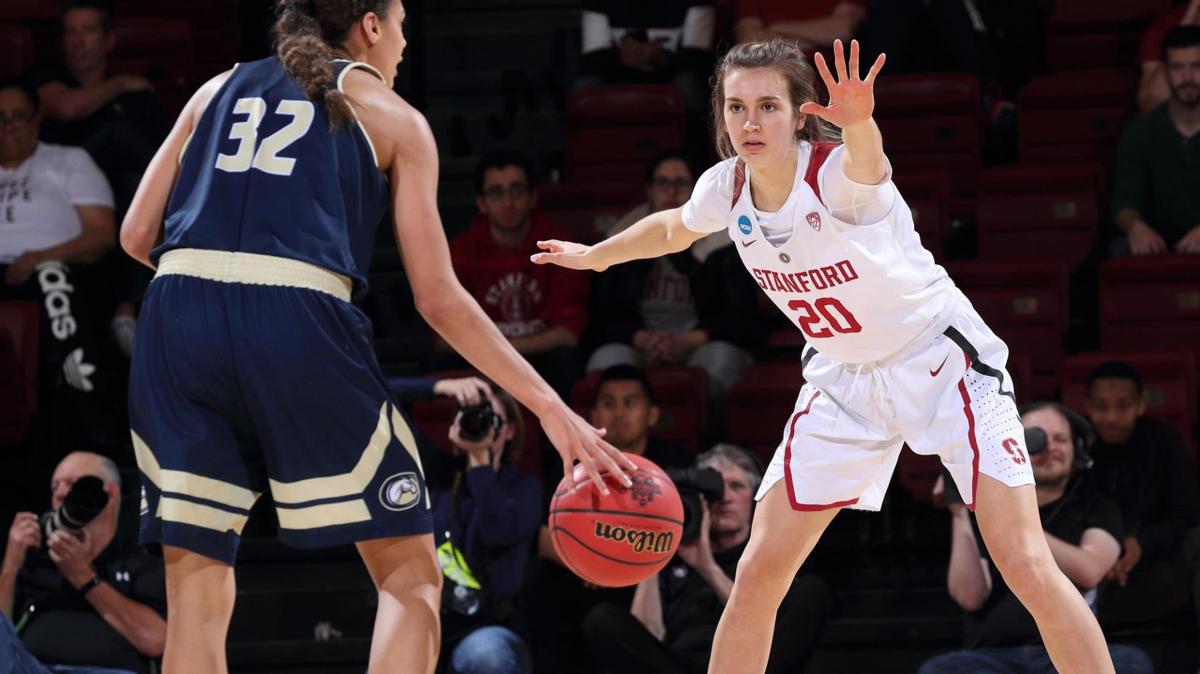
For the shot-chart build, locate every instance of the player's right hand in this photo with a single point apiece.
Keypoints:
(567, 254)
(24, 533)
(577, 440)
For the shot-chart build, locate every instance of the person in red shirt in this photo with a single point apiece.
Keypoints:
(1152, 89)
(814, 24)
(541, 310)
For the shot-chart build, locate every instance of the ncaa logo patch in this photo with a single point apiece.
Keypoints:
(814, 220)
(400, 491)
(744, 225)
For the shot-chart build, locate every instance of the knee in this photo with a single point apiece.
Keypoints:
(612, 354)
(1028, 569)
(762, 580)
(487, 650)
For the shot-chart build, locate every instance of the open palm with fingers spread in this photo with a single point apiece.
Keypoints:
(851, 98)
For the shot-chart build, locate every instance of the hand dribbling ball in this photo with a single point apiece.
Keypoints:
(620, 539)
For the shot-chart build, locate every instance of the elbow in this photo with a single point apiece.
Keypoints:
(968, 600)
(152, 641)
(1089, 579)
(432, 306)
(132, 244)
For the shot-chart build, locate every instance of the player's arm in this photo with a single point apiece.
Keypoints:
(1087, 563)
(851, 104)
(142, 227)
(968, 578)
(655, 235)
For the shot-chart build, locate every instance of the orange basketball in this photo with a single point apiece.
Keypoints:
(620, 539)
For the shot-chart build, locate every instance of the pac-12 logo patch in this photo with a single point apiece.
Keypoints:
(814, 220)
(744, 225)
(400, 491)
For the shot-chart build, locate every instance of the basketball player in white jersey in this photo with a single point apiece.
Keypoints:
(896, 354)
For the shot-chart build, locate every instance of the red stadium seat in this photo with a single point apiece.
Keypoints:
(30, 10)
(18, 364)
(16, 49)
(760, 404)
(1025, 302)
(1047, 211)
(1150, 303)
(1169, 380)
(1073, 116)
(612, 131)
(928, 196)
(933, 122)
(1089, 34)
(680, 392)
(587, 210)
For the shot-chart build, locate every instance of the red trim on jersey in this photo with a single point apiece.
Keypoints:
(966, 397)
(820, 152)
(739, 181)
(787, 466)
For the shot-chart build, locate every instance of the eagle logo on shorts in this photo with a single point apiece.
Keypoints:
(814, 220)
(400, 491)
(644, 489)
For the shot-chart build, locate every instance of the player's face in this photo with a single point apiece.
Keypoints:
(85, 44)
(392, 41)
(1052, 465)
(1183, 75)
(671, 185)
(1113, 405)
(625, 413)
(506, 199)
(18, 126)
(732, 513)
(758, 114)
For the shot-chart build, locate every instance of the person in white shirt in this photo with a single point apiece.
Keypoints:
(895, 354)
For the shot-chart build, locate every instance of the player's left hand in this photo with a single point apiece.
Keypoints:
(1190, 243)
(22, 267)
(851, 99)
(70, 555)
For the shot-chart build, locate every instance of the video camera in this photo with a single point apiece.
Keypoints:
(692, 483)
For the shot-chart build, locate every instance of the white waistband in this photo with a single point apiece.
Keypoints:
(251, 268)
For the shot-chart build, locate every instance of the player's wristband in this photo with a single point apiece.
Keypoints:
(89, 586)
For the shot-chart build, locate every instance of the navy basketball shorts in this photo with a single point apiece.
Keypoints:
(253, 371)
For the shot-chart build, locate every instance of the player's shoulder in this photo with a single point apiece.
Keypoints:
(720, 177)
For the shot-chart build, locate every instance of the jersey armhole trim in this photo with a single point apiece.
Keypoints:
(342, 76)
(188, 141)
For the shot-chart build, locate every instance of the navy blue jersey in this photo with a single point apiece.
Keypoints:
(263, 173)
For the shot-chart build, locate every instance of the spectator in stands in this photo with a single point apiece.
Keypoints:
(1145, 464)
(669, 626)
(485, 523)
(90, 600)
(625, 408)
(1083, 527)
(692, 308)
(542, 311)
(1154, 193)
(1153, 89)
(814, 25)
(668, 41)
(56, 210)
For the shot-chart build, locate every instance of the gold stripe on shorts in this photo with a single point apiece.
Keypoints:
(252, 268)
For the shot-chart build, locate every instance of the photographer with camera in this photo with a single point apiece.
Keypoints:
(1083, 526)
(669, 626)
(484, 525)
(77, 594)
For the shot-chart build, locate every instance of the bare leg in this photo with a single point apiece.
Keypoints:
(406, 572)
(780, 540)
(1012, 529)
(200, 594)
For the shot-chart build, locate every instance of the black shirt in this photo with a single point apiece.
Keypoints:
(1154, 482)
(1003, 621)
(63, 628)
(691, 608)
(140, 109)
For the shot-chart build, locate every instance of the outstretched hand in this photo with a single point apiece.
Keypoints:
(851, 99)
(566, 254)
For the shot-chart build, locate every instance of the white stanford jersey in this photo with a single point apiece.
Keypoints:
(860, 293)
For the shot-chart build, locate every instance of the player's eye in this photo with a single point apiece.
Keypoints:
(735, 107)
(769, 107)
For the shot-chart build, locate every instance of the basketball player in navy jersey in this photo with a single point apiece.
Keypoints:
(259, 214)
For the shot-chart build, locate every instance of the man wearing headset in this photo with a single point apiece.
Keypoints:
(1083, 527)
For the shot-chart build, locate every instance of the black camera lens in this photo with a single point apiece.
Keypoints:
(691, 483)
(478, 422)
(82, 504)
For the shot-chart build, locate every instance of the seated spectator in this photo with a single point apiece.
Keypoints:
(1144, 463)
(484, 525)
(56, 210)
(670, 41)
(625, 408)
(694, 308)
(85, 599)
(1153, 201)
(669, 626)
(540, 308)
(1083, 527)
(1153, 90)
(814, 25)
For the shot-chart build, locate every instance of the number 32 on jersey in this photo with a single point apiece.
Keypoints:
(265, 156)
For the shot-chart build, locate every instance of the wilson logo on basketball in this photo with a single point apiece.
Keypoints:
(644, 489)
(640, 540)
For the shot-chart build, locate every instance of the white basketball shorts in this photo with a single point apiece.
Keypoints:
(949, 396)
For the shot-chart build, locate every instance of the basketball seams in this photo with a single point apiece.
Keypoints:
(623, 513)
